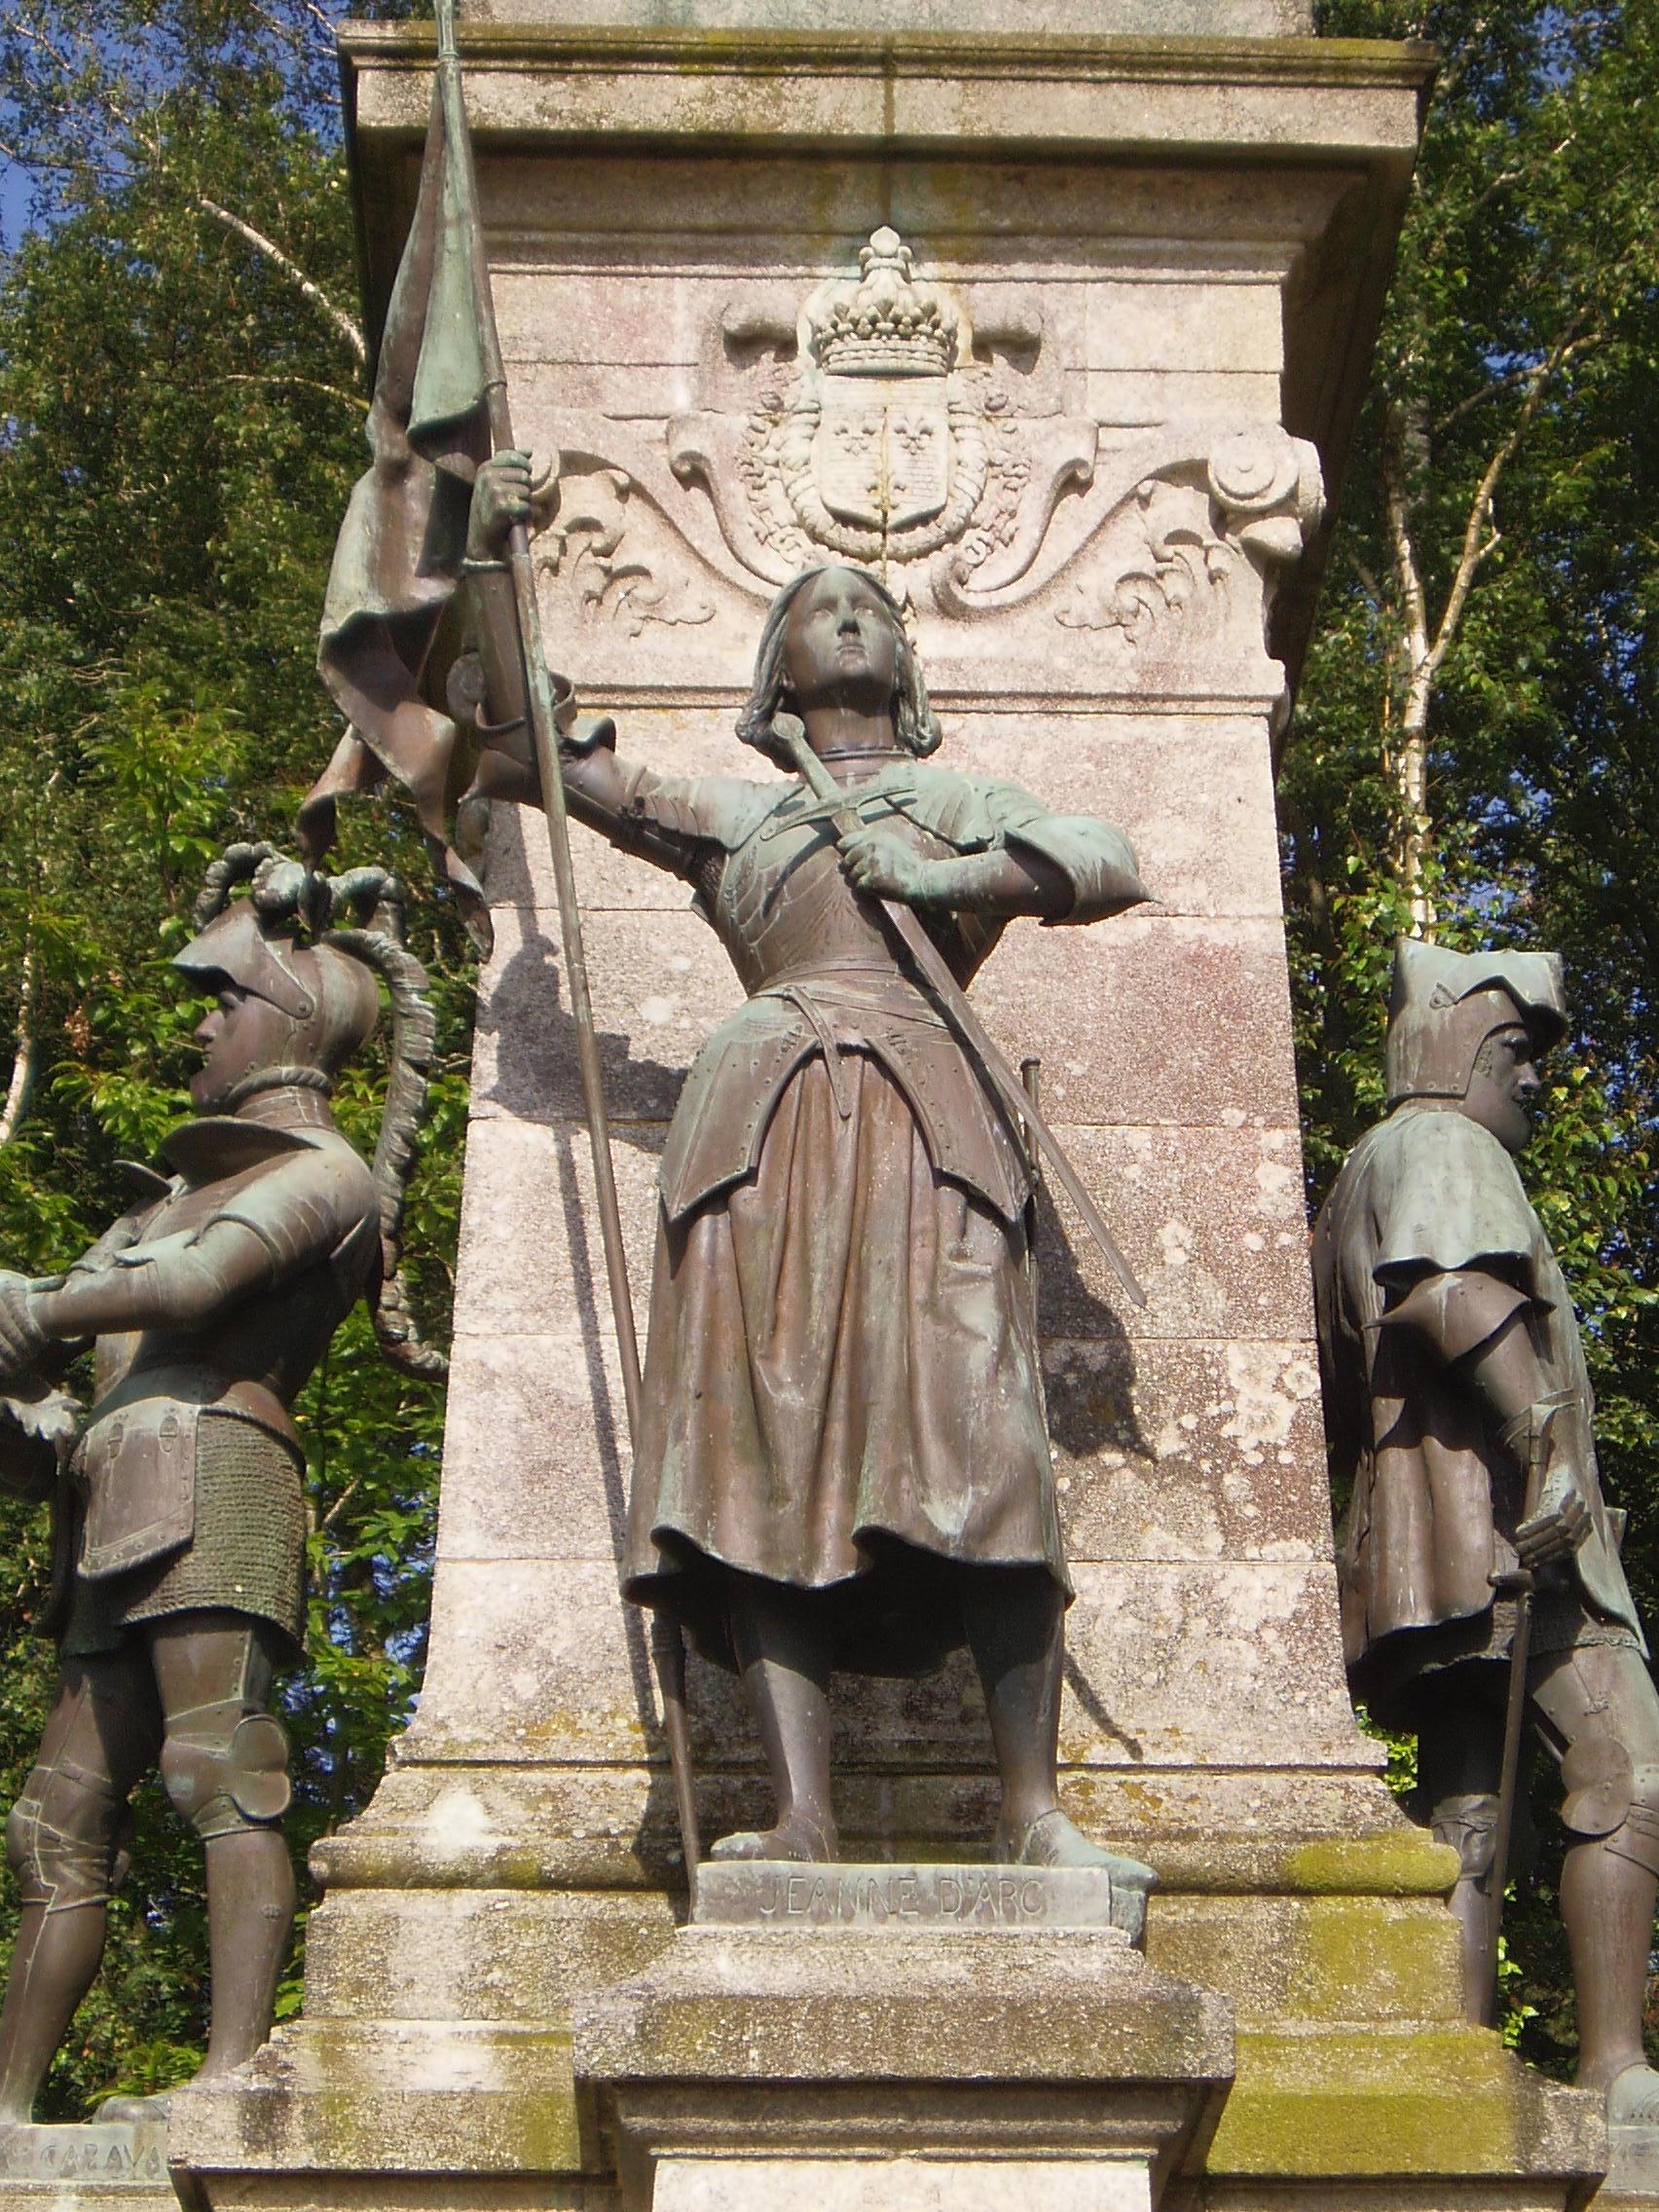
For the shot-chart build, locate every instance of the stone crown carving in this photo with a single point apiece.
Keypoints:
(884, 325)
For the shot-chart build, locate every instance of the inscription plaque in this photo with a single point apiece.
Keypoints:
(761, 1893)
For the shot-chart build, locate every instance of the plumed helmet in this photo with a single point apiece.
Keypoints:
(330, 999)
(1445, 1004)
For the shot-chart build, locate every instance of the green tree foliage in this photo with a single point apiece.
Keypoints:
(181, 416)
(1473, 750)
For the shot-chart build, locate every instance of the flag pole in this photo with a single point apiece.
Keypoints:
(668, 1643)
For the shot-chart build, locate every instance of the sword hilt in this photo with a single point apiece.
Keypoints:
(1514, 1582)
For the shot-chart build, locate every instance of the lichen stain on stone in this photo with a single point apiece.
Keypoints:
(1175, 1240)
(458, 1824)
(1254, 1603)
(1267, 1385)
(1278, 1189)
(1179, 1286)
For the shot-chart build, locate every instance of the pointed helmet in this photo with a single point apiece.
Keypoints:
(1445, 1004)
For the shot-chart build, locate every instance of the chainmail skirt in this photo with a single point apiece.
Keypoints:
(247, 1552)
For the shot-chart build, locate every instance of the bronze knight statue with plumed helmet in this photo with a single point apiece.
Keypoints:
(179, 1508)
(1480, 1584)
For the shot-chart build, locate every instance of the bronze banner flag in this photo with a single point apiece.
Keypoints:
(399, 558)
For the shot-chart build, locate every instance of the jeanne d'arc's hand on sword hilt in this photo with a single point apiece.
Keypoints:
(928, 964)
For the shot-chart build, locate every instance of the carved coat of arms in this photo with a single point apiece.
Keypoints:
(893, 434)
(888, 443)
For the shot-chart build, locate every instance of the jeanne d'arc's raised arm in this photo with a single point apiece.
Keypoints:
(1007, 853)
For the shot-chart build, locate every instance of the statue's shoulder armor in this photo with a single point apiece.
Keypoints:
(1417, 1142)
(976, 813)
(1444, 1194)
(219, 1146)
(971, 813)
(303, 1192)
(715, 810)
(148, 1187)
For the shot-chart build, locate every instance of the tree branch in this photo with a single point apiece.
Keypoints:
(1411, 761)
(1556, 360)
(291, 269)
(1477, 542)
(308, 384)
(337, 1508)
(24, 1057)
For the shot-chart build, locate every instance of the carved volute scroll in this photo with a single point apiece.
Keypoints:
(894, 420)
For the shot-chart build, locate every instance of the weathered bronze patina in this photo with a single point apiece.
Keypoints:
(842, 1459)
(1478, 1541)
(179, 1512)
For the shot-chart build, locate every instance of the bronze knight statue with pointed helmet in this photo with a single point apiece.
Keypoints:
(1483, 1597)
(179, 1510)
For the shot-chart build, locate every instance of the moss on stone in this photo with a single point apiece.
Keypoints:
(1404, 1862)
(1336, 1958)
(359, 2115)
(1364, 1958)
(1447, 2100)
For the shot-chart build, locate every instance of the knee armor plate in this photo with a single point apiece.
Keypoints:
(65, 1836)
(1469, 1825)
(1612, 1800)
(225, 1768)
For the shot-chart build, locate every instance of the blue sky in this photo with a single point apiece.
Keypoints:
(14, 202)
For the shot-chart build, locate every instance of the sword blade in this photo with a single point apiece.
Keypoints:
(926, 957)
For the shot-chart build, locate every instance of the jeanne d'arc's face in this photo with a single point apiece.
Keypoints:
(840, 644)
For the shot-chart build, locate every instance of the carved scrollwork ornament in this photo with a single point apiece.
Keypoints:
(1257, 497)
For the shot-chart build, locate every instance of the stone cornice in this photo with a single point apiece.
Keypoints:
(1309, 62)
(909, 88)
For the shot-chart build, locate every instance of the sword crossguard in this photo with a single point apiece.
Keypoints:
(1514, 1582)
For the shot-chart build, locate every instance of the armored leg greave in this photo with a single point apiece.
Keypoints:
(66, 1834)
(224, 1759)
(63, 1837)
(1600, 1706)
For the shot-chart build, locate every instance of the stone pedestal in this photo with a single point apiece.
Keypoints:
(1159, 240)
(1632, 2171)
(931, 2037)
(103, 2166)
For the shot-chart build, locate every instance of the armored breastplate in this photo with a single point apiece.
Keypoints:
(261, 1348)
(784, 905)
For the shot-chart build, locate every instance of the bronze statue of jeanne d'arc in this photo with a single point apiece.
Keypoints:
(1480, 1569)
(842, 1459)
(840, 1447)
(179, 1511)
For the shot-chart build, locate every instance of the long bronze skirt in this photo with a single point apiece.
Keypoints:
(842, 1390)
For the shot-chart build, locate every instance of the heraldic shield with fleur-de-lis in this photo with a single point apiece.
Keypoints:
(881, 455)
